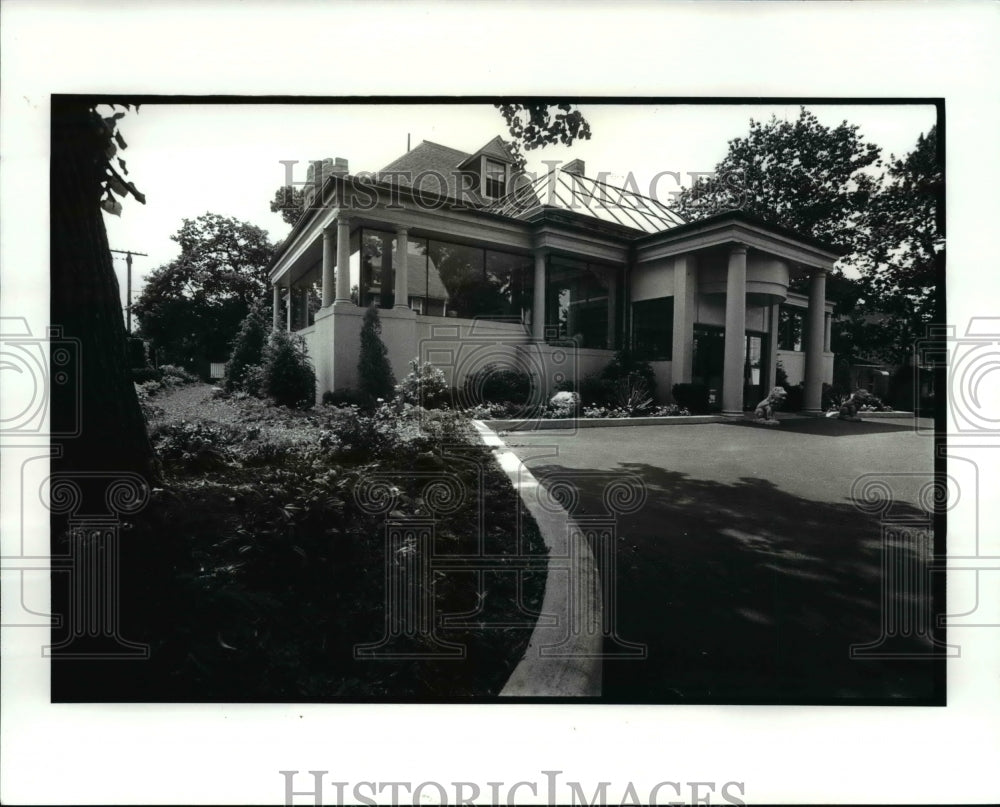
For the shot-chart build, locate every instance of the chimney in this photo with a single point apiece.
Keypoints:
(328, 167)
(574, 167)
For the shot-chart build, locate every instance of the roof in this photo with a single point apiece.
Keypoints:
(496, 149)
(438, 168)
(589, 197)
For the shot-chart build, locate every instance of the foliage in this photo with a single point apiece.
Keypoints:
(192, 307)
(289, 201)
(497, 384)
(138, 356)
(247, 351)
(288, 376)
(693, 397)
(425, 385)
(375, 379)
(631, 393)
(900, 252)
(343, 397)
(533, 126)
(800, 174)
(625, 381)
(261, 571)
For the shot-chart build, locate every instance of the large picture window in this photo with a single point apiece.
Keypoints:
(478, 282)
(582, 302)
(653, 329)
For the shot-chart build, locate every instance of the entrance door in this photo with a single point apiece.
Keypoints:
(755, 369)
(707, 361)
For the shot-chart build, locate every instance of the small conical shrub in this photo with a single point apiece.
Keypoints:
(247, 352)
(289, 378)
(375, 379)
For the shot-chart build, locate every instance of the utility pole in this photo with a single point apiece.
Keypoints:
(128, 293)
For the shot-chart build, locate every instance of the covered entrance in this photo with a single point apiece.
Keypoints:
(708, 363)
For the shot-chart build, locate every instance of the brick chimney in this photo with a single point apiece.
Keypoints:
(574, 167)
(328, 167)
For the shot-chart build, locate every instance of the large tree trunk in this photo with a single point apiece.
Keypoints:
(87, 307)
(98, 431)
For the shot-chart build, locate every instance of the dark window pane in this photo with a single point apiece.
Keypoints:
(653, 329)
(509, 283)
(577, 297)
(460, 272)
(377, 277)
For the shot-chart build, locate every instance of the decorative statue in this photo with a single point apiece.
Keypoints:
(764, 413)
(849, 408)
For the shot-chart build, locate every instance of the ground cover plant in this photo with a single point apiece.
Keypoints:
(259, 564)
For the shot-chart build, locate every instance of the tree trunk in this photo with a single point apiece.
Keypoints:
(99, 402)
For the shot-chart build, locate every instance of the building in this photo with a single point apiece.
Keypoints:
(474, 264)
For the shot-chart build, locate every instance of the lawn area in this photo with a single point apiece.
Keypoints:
(261, 562)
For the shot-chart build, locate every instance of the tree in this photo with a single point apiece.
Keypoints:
(802, 175)
(900, 249)
(288, 378)
(247, 349)
(375, 379)
(289, 201)
(533, 126)
(191, 308)
(99, 400)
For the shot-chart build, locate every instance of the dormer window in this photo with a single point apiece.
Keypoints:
(494, 179)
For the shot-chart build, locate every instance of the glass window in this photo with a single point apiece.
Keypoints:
(377, 278)
(495, 185)
(465, 281)
(789, 328)
(510, 286)
(653, 329)
(579, 301)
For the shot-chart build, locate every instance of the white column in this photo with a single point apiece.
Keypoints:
(538, 305)
(343, 261)
(329, 261)
(736, 326)
(289, 307)
(812, 399)
(275, 307)
(828, 323)
(683, 348)
(772, 361)
(402, 293)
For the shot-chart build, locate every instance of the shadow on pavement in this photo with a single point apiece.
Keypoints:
(828, 427)
(744, 593)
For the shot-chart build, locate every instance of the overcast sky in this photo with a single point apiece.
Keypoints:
(225, 159)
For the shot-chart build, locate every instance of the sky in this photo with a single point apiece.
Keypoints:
(227, 159)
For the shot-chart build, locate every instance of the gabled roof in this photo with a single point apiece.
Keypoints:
(496, 149)
(588, 197)
(429, 165)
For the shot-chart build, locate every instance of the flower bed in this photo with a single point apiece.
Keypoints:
(259, 565)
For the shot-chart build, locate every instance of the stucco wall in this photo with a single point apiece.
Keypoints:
(653, 280)
(793, 362)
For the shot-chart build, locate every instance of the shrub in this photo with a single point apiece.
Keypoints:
(631, 393)
(143, 374)
(375, 379)
(247, 351)
(177, 376)
(288, 376)
(497, 384)
(424, 386)
(253, 380)
(595, 391)
(780, 376)
(136, 352)
(693, 397)
(626, 365)
(197, 446)
(795, 399)
(343, 397)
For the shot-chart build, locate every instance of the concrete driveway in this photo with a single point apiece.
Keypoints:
(747, 571)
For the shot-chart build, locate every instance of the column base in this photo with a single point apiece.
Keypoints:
(343, 304)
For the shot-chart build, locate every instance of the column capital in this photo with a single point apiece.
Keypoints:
(402, 229)
(343, 219)
(737, 248)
